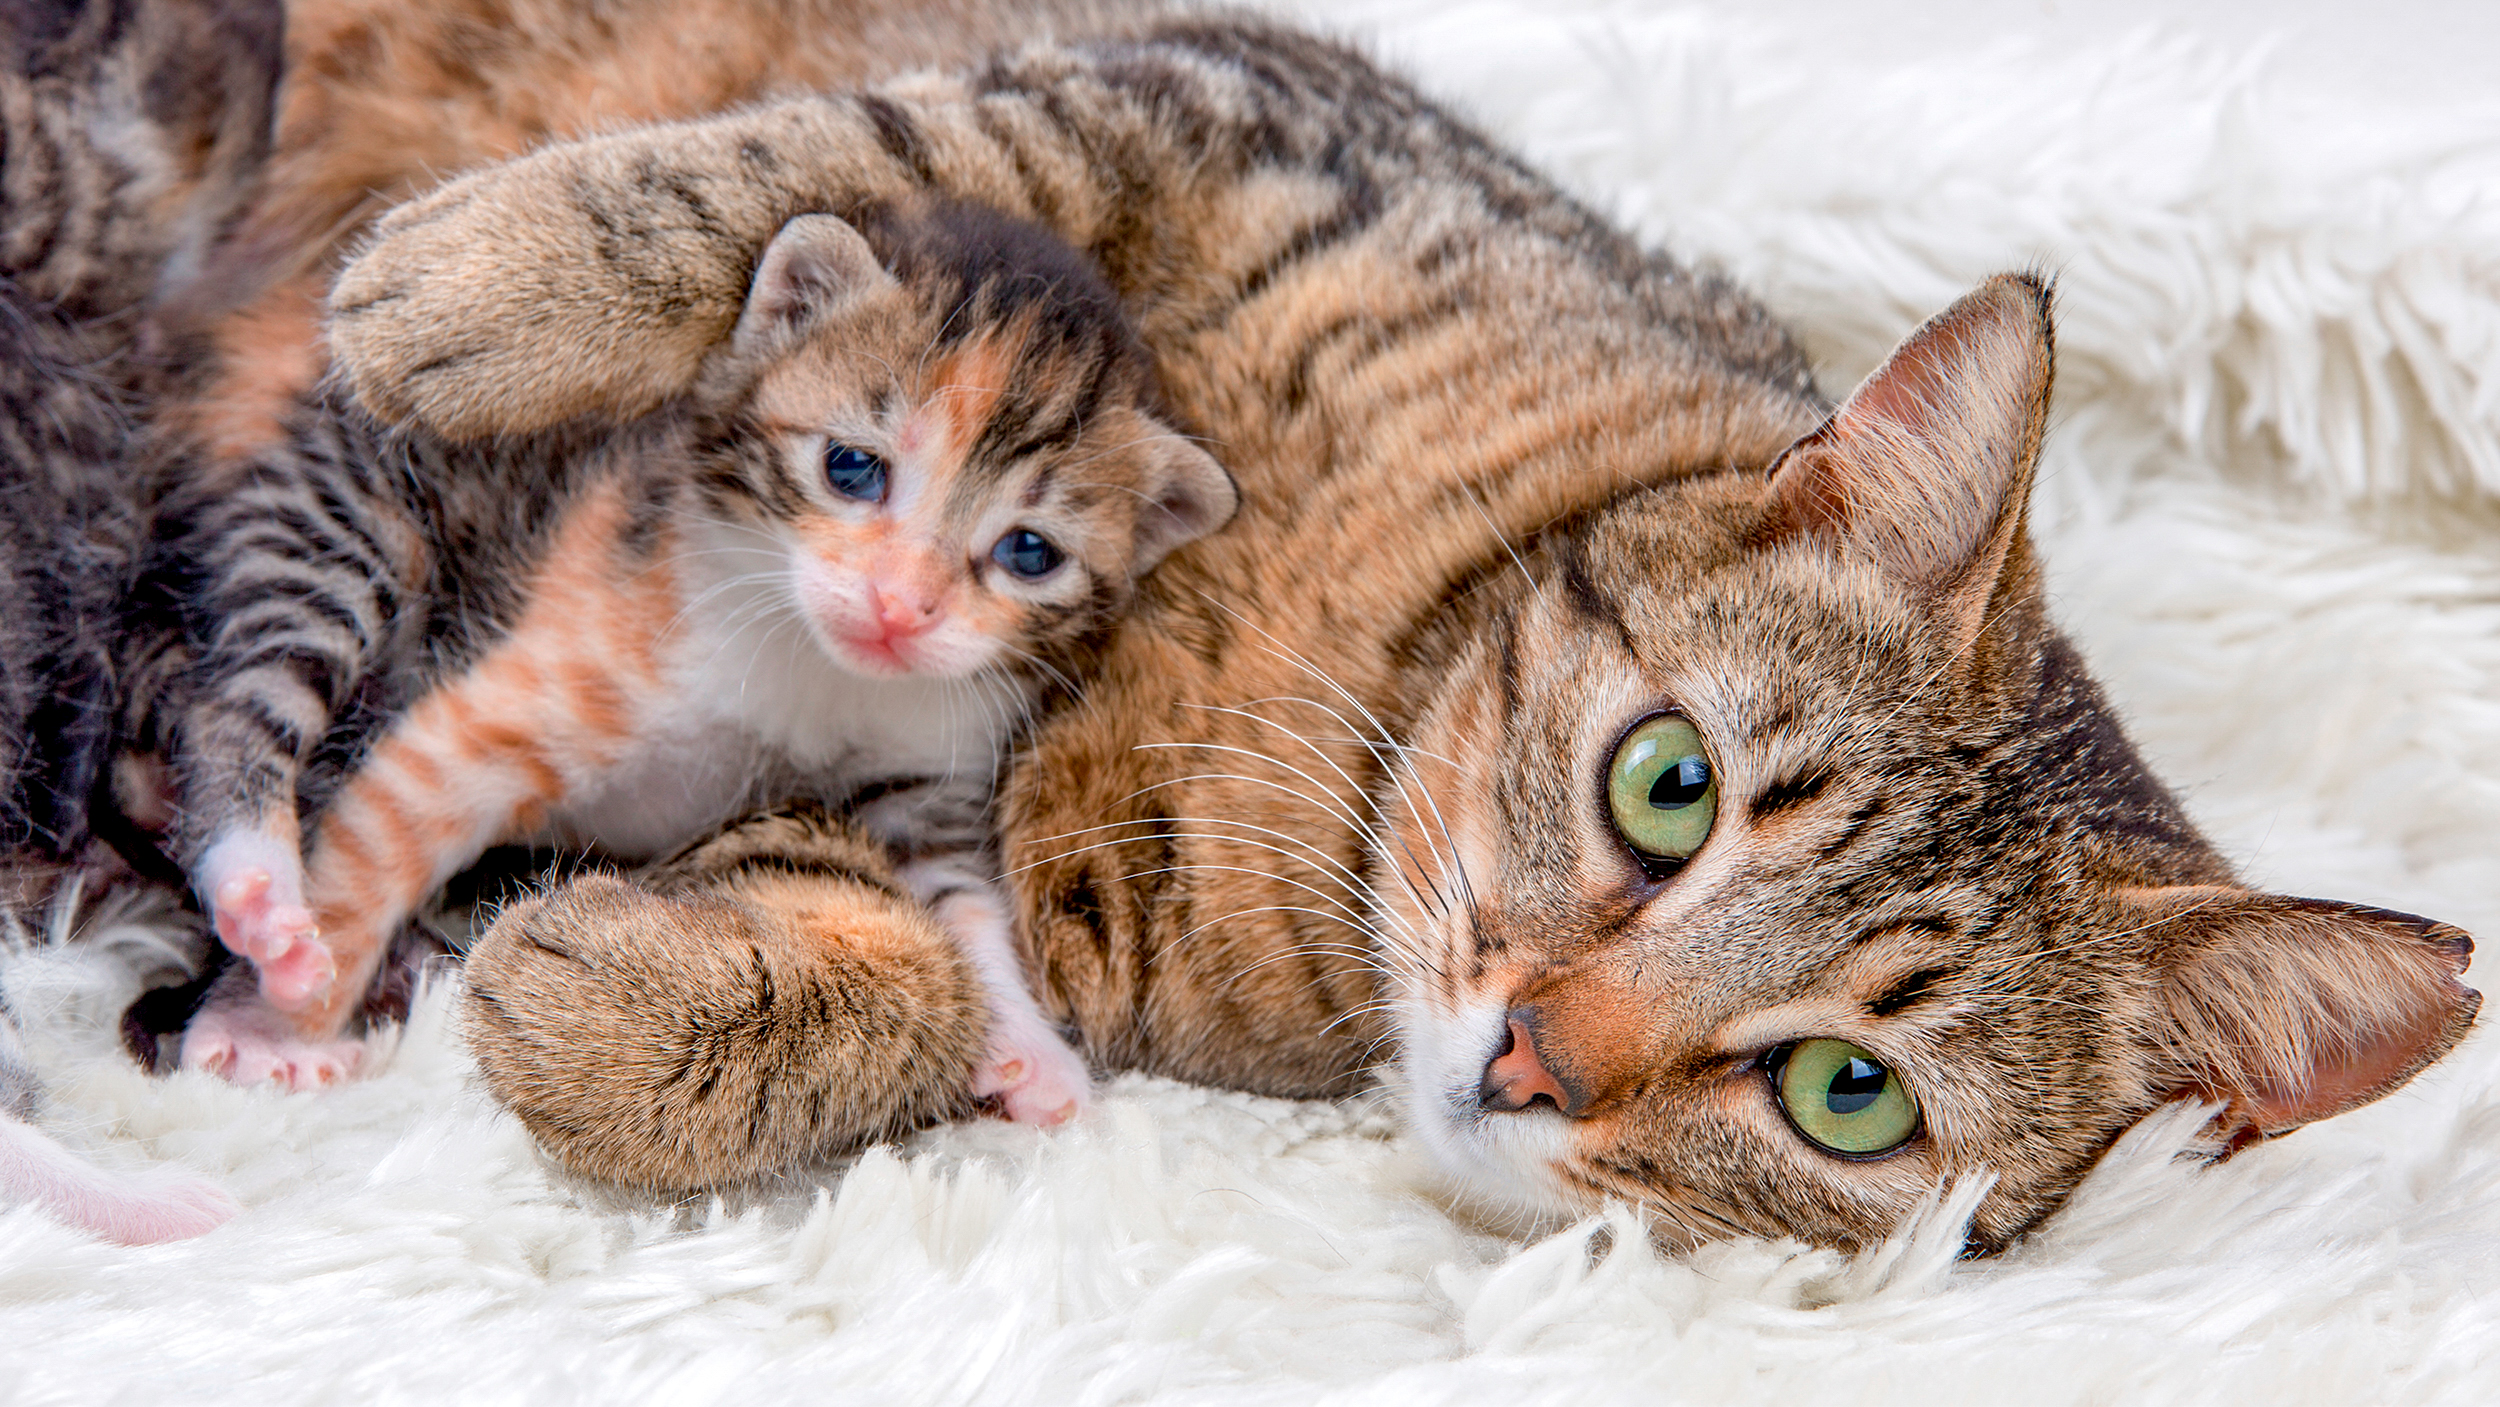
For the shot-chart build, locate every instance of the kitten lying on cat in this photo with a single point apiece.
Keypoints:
(920, 478)
(1681, 777)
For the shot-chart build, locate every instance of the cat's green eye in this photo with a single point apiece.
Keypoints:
(1845, 1099)
(1661, 790)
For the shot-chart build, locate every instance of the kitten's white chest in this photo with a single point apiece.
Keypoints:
(753, 711)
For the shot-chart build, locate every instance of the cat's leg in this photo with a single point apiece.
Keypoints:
(504, 302)
(768, 996)
(1028, 1067)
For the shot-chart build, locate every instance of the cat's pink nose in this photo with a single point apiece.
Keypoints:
(903, 615)
(1515, 1079)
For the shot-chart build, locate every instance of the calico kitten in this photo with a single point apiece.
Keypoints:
(130, 134)
(920, 478)
(1680, 778)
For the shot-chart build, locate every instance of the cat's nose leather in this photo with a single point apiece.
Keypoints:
(901, 615)
(1515, 1079)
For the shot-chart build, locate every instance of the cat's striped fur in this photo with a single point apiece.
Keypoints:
(625, 640)
(1512, 485)
(131, 132)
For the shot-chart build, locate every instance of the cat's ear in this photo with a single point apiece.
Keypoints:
(1926, 468)
(1188, 495)
(816, 267)
(2288, 1010)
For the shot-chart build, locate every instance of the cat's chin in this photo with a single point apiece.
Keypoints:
(931, 656)
(1503, 1162)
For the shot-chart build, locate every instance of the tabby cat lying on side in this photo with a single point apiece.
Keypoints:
(1680, 775)
(130, 134)
(919, 480)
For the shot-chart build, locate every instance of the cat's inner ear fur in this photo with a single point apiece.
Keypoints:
(1925, 470)
(1188, 495)
(815, 269)
(2284, 1010)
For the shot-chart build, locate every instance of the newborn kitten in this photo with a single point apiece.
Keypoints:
(130, 133)
(916, 485)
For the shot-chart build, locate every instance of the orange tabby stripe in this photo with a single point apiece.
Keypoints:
(490, 753)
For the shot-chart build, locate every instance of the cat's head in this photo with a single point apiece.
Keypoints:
(131, 135)
(948, 427)
(1775, 858)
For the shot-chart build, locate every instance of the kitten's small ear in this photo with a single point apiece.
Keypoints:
(2288, 1010)
(1927, 467)
(1188, 496)
(814, 268)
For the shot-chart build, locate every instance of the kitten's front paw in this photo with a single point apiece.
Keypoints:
(243, 1042)
(1035, 1078)
(527, 294)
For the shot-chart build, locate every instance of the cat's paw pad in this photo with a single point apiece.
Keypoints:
(257, 917)
(243, 1045)
(146, 1211)
(1034, 1081)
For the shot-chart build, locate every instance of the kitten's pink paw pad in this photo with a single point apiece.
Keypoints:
(1035, 1082)
(244, 1047)
(279, 936)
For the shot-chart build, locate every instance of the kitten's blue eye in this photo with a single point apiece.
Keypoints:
(1027, 554)
(855, 473)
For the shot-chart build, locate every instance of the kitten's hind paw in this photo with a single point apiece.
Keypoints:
(259, 917)
(245, 1043)
(1034, 1080)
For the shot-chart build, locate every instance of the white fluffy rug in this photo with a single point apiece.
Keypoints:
(2273, 511)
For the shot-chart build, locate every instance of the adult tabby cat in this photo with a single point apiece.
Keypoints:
(1679, 776)
(131, 132)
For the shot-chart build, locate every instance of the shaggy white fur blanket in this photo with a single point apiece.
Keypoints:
(2272, 509)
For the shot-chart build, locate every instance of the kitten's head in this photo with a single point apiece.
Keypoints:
(131, 135)
(1776, 858)
(949, 428)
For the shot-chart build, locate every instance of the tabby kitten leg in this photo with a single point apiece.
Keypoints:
(771, 995)
(1029, 1068)
(254, 884)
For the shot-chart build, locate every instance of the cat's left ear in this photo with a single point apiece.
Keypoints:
(1188, 495)
(1925, 470)
(2285, 1010)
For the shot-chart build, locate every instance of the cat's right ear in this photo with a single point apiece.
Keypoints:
(1925, 470)
(2284, 1011)
(814, 269)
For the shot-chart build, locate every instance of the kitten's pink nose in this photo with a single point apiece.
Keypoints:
(903, 614)
(1515, 1079)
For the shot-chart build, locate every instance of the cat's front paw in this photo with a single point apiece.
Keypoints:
(1034, 1078)
(527, 294)
(245, 1042)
